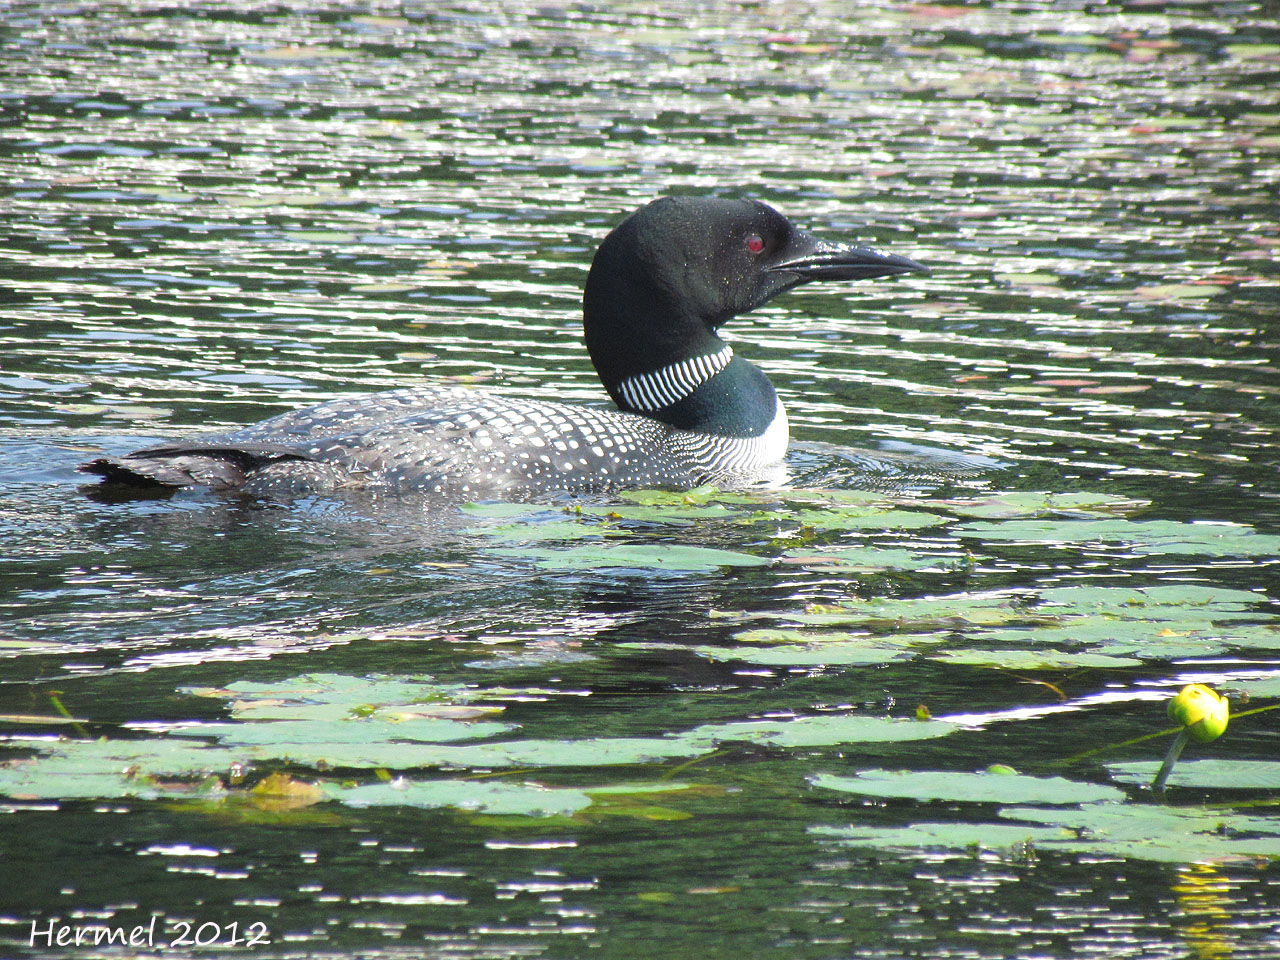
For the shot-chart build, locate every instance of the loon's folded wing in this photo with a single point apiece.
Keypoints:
(219, 466)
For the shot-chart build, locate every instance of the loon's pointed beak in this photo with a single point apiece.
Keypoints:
(812, 259)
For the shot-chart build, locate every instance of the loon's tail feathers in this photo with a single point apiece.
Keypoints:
(216, 466)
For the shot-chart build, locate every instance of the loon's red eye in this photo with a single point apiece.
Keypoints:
(755, 243)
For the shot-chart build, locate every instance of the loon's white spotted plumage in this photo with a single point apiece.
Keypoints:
(459, 441)
(690, 412)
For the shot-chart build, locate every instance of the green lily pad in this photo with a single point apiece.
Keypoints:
(640, 789)
(1254, 636)
(1161, 602)
(498, 509)
(1146, 537)
(921, 612)
(834, 498)
(1101, 630)
(802, 648)
(964, 787)
(283, 733)
(333, 696)
(815, 637)
(1250, 51)
(855, 559)
(819, 731)
(1162, 833)
(694, 497)
(1137, 831)
(517, 799)
(1148, 639)
(547, 530)
(1211, 774)
(794, 655)
(947, 836)
(1036, 659)
(402, 755)
(70, 769)
(679, 514)
(656, 556)
(1035, 504)
(1263, 689)
(852, 517)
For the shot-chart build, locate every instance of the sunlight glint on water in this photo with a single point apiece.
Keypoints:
(217, 215)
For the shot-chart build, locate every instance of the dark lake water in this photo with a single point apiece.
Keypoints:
(722, 727)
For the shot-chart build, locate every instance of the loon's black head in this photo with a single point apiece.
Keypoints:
(665, 278)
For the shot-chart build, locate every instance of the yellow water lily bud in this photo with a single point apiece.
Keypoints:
(1201, 710)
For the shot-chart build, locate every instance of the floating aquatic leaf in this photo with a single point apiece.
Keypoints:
(381, 753)
(549, 530)
(817, 731)
(1110, 631)
(1034, 504)
(1028, 279)
(36, 719)
(323, 236)
(1138, 831)
(1029, 391)
(1035, 659)
(1214, 774)
(794, 655)
(985, 609)
(486, 796)
(679, 514)
(1112, 389)
(867, 559)
(644, 789)
(1068, 39)
(637, 811)
(853, 517)
(1262, 689)
(836, 498)
(1146, 638)
(1163, 602)
(1145, 537)
(966, 787)
(828, 638)
(1253, 51)
(333, 696)
(798, 636)
(1158, 832)
(68, 769)
(954, 836)
(501, 510)
(1178, 291)
(656, 556)
(385, 286)
(814, 648)
(282, 733)
(1255, 636)
(698, 495)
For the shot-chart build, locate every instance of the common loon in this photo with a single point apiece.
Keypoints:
(691, 412)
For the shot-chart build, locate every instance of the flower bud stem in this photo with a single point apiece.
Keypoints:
(1170, 758)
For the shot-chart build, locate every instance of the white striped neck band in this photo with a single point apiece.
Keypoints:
(672, 383)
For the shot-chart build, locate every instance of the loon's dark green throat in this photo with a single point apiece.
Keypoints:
(690, 411)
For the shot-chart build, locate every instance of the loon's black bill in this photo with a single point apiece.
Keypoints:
(825, 260)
